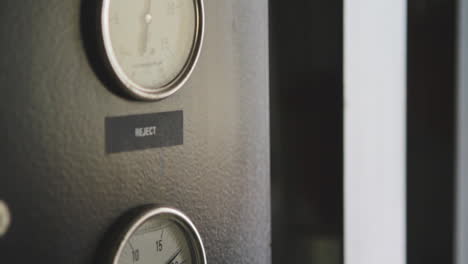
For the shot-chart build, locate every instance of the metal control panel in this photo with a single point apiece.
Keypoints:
(66, 183)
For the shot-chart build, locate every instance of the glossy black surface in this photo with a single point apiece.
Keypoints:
(431, 131)
(65, 192)
(306, 40)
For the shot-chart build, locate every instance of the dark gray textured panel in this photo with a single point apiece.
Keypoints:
(65, 192)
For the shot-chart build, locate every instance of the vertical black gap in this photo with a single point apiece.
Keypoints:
(306, 69)
(431, 131)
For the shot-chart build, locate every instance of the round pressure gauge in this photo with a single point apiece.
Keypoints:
(152, 46)
(158, 235)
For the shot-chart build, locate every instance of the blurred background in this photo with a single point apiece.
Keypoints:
(369, 130)
(306, 89)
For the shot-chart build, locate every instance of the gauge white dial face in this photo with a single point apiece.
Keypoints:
(151, 40)
(158, 241)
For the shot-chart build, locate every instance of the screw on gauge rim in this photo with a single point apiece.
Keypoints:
(5, 218)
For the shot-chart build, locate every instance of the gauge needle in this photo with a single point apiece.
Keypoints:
(147, 17)
(174, 257)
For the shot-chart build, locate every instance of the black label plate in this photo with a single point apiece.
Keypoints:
(139, 132)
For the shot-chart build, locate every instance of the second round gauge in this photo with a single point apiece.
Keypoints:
(156, 235)
(158, 241)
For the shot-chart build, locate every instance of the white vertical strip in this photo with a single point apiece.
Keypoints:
(375, 131)
(462, 140)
